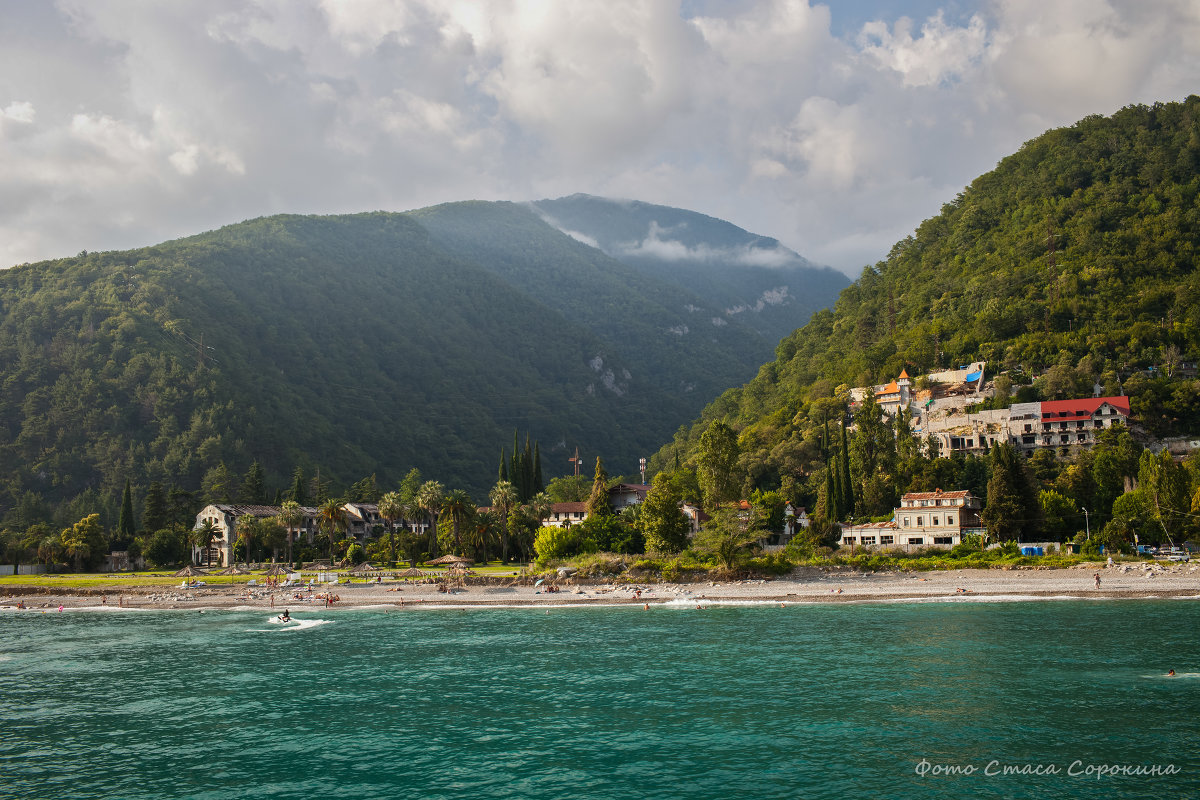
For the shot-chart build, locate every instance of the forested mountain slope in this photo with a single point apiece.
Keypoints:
(753, 279)
(1075, 261)
(664, 330)
(352, 345)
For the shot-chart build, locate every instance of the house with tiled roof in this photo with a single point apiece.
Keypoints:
(924, 519)
(1064, 423)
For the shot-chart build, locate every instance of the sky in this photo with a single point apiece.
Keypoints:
(835, 128)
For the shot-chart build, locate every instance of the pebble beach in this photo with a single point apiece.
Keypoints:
(810, 585)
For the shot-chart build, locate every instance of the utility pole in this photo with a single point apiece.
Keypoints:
(642, 464)
(1086, 524)
(575, 460)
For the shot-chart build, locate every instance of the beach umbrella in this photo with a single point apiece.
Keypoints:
(277, 570)
(363, 568)
(451, 559)
(539, 582)
(411, 572)
(234, 570)
(189, 572)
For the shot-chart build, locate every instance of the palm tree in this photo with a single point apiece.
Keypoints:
(391, 508)
(481, 532)
(49, 548)
(459, 506)
(331, 517)
(541, 506)
(291, 516)
(430, 498)
(204, 536)
(247, 532)
(504, 499)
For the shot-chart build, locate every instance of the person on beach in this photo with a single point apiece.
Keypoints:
(1097, 580)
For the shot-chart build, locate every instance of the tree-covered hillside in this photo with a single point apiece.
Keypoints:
(1073, 263)
(348, 345)
(665, 331)
(751, 279)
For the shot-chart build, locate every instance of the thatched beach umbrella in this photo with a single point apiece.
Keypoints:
(234, 570)
(189, 572)
(363, 568)
(451, 559)
(322, 566)
(411, 572)
(276, 571)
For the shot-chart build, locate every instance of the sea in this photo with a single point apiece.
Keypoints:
(1035, 699)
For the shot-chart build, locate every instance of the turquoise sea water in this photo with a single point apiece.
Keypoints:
(807, 701)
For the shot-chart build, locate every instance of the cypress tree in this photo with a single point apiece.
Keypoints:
(847, 481)
(297, 492)
(254, 487)
(154, 513)
(539, 485)
(503, 476)
(597, 503)
(125, 523)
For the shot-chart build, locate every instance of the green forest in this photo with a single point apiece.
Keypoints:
(344, 346)
(1072, 264)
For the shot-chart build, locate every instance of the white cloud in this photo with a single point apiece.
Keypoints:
(124, 124)
(18, 111)
(942, 52)
(658, 244)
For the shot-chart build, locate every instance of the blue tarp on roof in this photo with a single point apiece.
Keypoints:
(974, 376)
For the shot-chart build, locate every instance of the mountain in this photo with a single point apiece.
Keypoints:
(752, 279)
(353, 345)
(1074, 261)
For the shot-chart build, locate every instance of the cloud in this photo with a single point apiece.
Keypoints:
(125, 124)
(658, 245)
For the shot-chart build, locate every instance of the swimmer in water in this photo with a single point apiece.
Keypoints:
(1171, 674)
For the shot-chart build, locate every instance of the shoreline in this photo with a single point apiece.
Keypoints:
(1123, 581)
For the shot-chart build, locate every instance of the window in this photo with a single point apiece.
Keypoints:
(847, 540)
(916, 540)
(887, 539)
(1065, 438)
(934, 521)
(943, 540)
(868, 540)
(949, 520)
(920, 522)
(908, 522)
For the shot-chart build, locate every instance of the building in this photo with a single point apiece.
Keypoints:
(564, 514)
(936, 518)
(624, 495)
(1064, 423)
(362, 521)
(924, 519)
(224, 519)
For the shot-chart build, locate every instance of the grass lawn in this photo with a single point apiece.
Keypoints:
(164, 577)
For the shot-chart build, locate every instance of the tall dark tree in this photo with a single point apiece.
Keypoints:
(254, 486)
(125, 523)
(502, 475)
(298, 492)
(154, 511)
(539, 485)
(598, 502)
(1013, 510)
(847, 482)
(365, 490)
